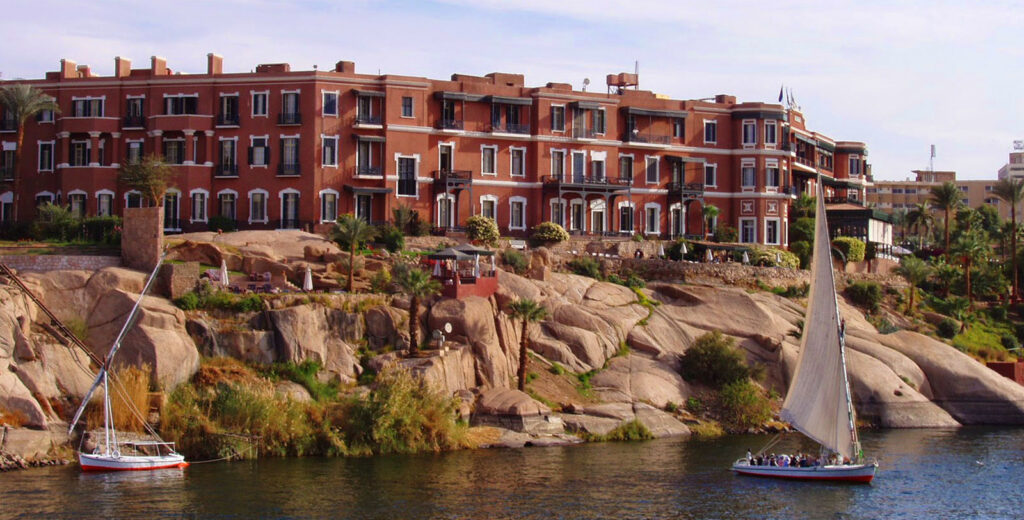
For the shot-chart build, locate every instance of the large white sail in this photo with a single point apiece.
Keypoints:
(817, 403)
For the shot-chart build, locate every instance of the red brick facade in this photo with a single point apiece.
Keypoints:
(276, 149)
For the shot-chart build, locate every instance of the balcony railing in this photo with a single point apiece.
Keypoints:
(843, 200)
(804, 161)
(134, 122)
(226, 170)
(587, 180)
(686, 188)
(451, 124)
(227, 119)
(364, 170)
(288, 170)
(583, 133)
(637, 137)
(368, 119)
(511, 128)
(460, 176)
(289, 118)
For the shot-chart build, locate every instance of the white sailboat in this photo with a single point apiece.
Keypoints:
(113, 455)
(818, 403)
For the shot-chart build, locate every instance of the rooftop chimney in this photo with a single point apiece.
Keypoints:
(158, 66)
(347, 67)
(67, 69)
(122, 67)
(84, 71)
(214, 64)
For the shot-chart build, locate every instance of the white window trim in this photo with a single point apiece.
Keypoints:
(714, 169)
(494, 163)
(511, 161)
(437, 210)
(743, 133)
(657, 168)
(511, 201)
(280, 201)
(739, 229)
(564, 112)
(551, 210)
(604, 117)
(491, 198)
(401, 109)
(266, 214)
(778, 231)
(129, 193)
(323, 145)
(595, 206)
(618, 215)
(39, 155)
(572, 162)
(771, 123)
(672, 219)
(323, 102)
(44, 194)
(206, 205)
(337, 199)
(450, 144)
(748, 163)
(552, 165)
(7, 197)
(711, 122)
(177, 206)
(657, 220)
(252, 103)
(769, 164)
(415, 175)
(252, 142)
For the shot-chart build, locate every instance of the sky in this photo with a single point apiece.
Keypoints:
(899, 76)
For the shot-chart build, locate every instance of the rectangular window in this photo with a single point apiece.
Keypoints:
(135, 107)
(181, 105)
(626, 168)
(407, 176)
(174, 152)
(518, 162)
(488, 160)
(133, 200)
(227, 153)
(289, 156)
(104, 204)
(258, 207)
(653, 220)
(749, 133)
(228, 115)
(677, 128)
(88, 107)
(557, 118)
(44, 116)
(76, 203)
(259, 152)
(517, 215)
(487, 209)
(711, 175)
(626, 218)
(652, 170)
(558, 213)
(227, 205)
(198, 207)
(290, 103)
(710, 132)
(328, 207)
(330, 154)
(769, 132)
(579, 160)
(771, 231)
(7, 165)
(771, 176)
(134, 151)
(557, 164)
(747, 180)
(406, 106)
(330, 103)
(855, 168)
(599, 121)
(597, 170)
(79, 153)
(748, 230)
(259, 104)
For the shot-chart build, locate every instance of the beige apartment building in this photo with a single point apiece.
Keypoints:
(889, 196)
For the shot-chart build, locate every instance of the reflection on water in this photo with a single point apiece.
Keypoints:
(968, 473)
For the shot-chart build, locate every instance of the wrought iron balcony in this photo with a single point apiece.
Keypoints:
(289, 118)
(368, 119)
(686, 188)
(843, 200)
(453, 177)
(649, 138)
(451, 124)
(804, 161)
(226, 170)
(227, 119)
(134, 121)
(288, 170)
(511, 128)
(587, 180)
(366, 170)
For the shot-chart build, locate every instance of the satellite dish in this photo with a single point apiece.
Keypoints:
(448, 328)
(586, 81)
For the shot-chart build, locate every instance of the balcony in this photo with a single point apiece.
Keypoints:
(452, 177)
(510, 128)
(646, 138)
(135, 121)
(450, 124)
(369, 119)
(227, 119)
(804, 161)
(597, 183)
(686, 189)
(843, 200)
(79, 125)
(288, 170)
(289, 118)
(584, 133)
(368, 171)
(226, 170)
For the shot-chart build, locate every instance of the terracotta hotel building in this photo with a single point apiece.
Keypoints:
(278, 149)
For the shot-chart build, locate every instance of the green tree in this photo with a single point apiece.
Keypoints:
(710, 212)
(22, 102)
(528, 311)
(971, 247)
(151, 176)
(482, 229)
(920, 219)
(418, 284)
(989, 219)
(899, 223)
(1012, 191)
(350, 232)
(944, 273)
(804, 206)
(946, 198)
(914, 271)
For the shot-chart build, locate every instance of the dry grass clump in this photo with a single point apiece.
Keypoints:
(136, 383)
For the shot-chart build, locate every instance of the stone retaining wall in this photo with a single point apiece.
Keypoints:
(59, 262)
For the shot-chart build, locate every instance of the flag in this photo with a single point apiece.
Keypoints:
(780, 93)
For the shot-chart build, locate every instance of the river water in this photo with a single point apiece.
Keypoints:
(966, 473)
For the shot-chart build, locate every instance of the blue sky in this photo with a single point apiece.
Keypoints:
(898, 75)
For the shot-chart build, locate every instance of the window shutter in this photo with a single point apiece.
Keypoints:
(281, 146)
(266, 153)
(250, 156)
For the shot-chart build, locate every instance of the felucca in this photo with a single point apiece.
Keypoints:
(818, 403)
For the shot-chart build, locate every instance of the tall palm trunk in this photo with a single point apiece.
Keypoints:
(1013, 249)
(17, 164)
(946, 223)
(414, 325)
(523, 358)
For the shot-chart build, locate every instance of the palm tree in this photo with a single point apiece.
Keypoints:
(22, 102)
(528, 311)
(418, 284)
(1012, 191)
(918, 218)
(914, 271)
(709, 211)
(971, 247)
(946, 197)
(351, 231)
(804, 206)
(899, 222)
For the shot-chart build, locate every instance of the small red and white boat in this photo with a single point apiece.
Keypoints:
(838, 473)
(124, 456)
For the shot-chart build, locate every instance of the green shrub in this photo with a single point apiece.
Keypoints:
(250, 303)
(865, 294)
(102, 229)
(999, 312)
(851, 248)
(675, 250)
(802, 250)
(188, 302)
(801, 231)
(766, 256)
(638, 237)
(713, 361)
(630, 431)
(1008, 341)
(1018, 330)
(947, 328)
(547, 232)
(380, 281)
(743, 406)
(305, 374)
(222, 223)
(482, 229)
(694, 405)
(585, 266)
(516, 260)
(391, 237)
(55, 222)
(557, 369)
(403, 216)
(725, 233)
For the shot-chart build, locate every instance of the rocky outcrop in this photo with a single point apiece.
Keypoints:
(601, 419)
(472, 323)
(516, 411)
(304, 333)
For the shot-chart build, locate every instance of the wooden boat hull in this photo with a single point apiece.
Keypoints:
(99, 462)
(842, 473)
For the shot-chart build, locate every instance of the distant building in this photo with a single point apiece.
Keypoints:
(1014, 168)
(889, 196)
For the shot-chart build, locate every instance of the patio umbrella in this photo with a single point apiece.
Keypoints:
(492, 263)
(437, 268)
(778, 258)
(307, 282)
(476, 266)
(661, 250)
(223, 272)
(708, 257)
(746, 258)
(450, 254)
(682, 249)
